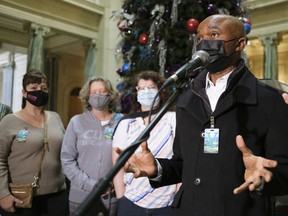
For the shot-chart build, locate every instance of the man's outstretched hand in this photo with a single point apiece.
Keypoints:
(141, 164)
(255, 168)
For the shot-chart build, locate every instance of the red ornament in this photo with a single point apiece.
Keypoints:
(245, 20)
(192, 25)
(143, 38)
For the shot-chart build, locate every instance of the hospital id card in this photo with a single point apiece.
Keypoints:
(211, 140)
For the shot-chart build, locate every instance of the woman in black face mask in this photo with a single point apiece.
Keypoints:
(87, 145)
(35, 91)
(30, 144)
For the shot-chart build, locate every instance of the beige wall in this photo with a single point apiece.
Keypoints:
(255, 54)
(71, 70)
(108, 38)
(71, 67)
(268, 17)
(282, 58)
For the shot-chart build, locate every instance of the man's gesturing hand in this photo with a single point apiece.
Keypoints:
(255, 168)
(141, 164)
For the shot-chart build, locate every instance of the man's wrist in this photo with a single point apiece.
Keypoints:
(158, 176)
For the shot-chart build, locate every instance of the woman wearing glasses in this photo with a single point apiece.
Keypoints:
(136, 196)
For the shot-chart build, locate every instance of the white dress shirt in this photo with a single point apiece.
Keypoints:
(214, 91)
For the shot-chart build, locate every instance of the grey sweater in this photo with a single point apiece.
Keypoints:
(86, 153)
(21, 145)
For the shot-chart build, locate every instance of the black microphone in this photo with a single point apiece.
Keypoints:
(199, 59)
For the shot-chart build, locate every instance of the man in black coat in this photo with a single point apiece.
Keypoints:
(222, 176)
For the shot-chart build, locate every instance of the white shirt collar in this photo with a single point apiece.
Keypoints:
(221, 80)
(214, 91)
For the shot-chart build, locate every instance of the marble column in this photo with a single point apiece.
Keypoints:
(270, 42)
(36, 48)
(90, 59)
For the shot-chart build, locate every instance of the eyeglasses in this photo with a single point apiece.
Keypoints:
(138, 88)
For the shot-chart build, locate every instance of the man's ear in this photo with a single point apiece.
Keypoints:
(241, 44)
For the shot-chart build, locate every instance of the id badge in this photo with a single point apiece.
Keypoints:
(22, 135)
(211, 140)
(108, 132)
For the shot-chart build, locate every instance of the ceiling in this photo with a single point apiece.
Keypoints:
(63, 33)
(66, 32)
(15, 35)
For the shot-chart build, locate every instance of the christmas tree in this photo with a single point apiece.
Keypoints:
(160, 35)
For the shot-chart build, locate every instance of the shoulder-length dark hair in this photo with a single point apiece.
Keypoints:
(32, 77)
(158, 79)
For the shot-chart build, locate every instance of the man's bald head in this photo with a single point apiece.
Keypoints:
(231, 24)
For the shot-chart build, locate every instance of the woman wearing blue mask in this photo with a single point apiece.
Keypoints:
(22, 143)
(87, 145)
(136, 196)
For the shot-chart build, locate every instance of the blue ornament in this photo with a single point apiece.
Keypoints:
(247, 27)
(120, 86)
(125, 68)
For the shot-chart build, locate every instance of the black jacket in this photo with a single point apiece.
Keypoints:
(245, 108)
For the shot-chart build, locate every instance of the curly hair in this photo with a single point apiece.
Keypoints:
(158, 79)
(85, 93)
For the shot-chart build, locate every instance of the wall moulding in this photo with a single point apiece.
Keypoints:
(54, 14)
(267, 17)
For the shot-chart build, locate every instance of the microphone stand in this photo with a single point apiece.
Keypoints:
(85, 207)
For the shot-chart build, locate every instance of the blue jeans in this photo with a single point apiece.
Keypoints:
(128, 208)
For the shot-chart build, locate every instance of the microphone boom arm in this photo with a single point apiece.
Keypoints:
(104, 183)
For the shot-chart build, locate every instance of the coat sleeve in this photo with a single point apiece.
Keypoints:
(277, 148)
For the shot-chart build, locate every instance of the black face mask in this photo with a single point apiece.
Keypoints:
(219, 60)
(37, 98)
